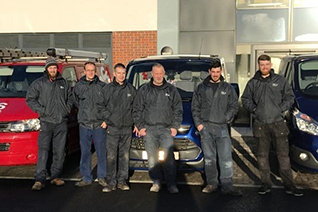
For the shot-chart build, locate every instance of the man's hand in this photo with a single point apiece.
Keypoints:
(103, 125)
(200, 127)
(173, 132)
(135, 130)
(142, 132)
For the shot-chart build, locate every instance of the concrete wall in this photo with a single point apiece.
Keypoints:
(19, 16)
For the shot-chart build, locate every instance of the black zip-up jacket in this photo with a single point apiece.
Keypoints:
(268, 100)
(217, 107)
(51, 100)
(119, 100)
(90, 101)
(157, 105)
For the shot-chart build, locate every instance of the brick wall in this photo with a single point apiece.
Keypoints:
(133, 44)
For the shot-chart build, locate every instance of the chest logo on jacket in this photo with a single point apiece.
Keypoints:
(62, 87)
(275, 84)
(129, 95)
(167, 94)
(223, 92)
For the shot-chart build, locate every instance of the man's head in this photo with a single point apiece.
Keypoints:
(264, 64)
(51, 67)
(158, 73)
(90, 71)
(215, 70)
(120, 73)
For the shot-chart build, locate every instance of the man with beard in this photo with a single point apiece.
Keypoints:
(214, 105)
(90, 102)
(50, 97)
(267, 96)
(158, 114)
(119, 97)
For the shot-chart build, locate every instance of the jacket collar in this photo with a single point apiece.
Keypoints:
(164, 84)
(258, 74)
(58, 75)
(209, 83)
(115, 83)
(95, 80)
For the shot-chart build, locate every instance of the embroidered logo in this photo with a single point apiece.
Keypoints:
(129, 95)
(167, 94)
(275, 84)
(223, 92)
(62, 87)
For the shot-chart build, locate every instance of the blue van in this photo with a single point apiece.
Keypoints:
(185, 72)
(301, 72)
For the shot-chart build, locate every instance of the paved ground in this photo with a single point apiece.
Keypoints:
(245, 167)
(16, 196)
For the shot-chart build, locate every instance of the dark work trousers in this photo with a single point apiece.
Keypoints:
(159, 136)
(51, 135)
(277, 133)
(118, 145)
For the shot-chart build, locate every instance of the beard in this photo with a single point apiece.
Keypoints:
(52, 75)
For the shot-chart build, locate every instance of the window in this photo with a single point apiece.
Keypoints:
(308, 77)
(70, 76)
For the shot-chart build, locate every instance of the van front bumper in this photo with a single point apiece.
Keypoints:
(18, 148)
(303, 159)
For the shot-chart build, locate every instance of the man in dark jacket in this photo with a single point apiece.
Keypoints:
(90, 102)
(158, 114)
(214, 105)
(267, 96)
(50, 97)
(119, 97)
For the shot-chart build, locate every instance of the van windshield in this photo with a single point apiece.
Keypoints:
(308, 77)
(15, 80)
(185, 75)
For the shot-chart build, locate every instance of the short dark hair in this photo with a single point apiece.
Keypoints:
(216, 63)
(119, 65)
(158, 65)
(91, 63)
(263, 57)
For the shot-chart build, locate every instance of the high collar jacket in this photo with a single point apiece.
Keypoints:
(119, 100)
(52, 100)
(267, 100)
(90, 101)
(217, 107)
(158, 105)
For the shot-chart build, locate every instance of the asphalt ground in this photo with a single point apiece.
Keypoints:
(16, 196)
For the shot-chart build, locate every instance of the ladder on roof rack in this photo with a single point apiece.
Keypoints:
(16, 54)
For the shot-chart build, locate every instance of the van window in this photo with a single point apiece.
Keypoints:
(185, 75)
(102, 73)
(289, 75)
(308, 77)
(15, 80)
(70, 76)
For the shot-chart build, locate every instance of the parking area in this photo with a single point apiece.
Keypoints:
(245, 167)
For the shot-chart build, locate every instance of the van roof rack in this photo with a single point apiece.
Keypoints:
(60, 53)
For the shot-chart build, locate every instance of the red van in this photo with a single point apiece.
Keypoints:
(19, 125)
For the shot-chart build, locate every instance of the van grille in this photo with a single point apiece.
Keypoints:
(4, 147)
(179, 144)
(4, 126)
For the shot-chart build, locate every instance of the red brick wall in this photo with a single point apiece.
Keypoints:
(133, 44)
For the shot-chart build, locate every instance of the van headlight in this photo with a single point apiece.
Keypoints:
(25, 125)
(305, 123)
(184, 129)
